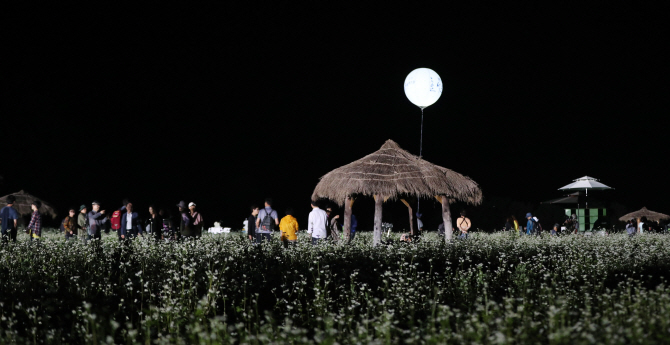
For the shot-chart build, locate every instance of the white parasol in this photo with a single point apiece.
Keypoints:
(585, 183)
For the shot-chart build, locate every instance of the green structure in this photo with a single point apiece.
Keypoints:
(587, 217)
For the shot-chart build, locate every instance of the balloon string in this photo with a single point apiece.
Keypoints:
(418, 203)
(421, 140)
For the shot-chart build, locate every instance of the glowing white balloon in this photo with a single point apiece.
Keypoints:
(423, 87)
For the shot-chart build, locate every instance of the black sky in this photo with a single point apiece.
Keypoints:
(225, 104)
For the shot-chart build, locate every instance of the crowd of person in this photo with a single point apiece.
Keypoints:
(321, 224)
(84, 224)
(534, 227)
(571, 226)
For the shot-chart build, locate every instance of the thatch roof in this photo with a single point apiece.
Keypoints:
(392, 171)
(23, 202)
(650, 215)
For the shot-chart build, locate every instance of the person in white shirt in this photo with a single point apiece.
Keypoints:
(130, 224)
(640, 226)
(318, 219)
(419, 223)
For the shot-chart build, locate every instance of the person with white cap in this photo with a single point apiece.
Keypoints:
(537, 228)
(197, 219)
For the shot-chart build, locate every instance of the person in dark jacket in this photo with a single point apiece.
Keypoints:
(419, 223)
(185, 221)
(354, 227)
(530, 225)
(168, 225)
(96, 220)
(82, 223)
(130, 224)
(155, 223)
(508, 224)
(9, 220)
(251, 223)
(69, 224)
(630, 228)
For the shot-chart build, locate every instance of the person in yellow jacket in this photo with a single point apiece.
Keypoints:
(516, 225)
(289, 228)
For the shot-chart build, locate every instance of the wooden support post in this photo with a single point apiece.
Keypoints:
(446, 218)
(377, 236)
(411, 216)
(348, 202)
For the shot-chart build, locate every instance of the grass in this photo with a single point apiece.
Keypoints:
(490, 289)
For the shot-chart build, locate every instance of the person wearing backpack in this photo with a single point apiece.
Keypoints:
(115, 221)
(463, 223)
(537, 228)
(530, 226)
(266, 222)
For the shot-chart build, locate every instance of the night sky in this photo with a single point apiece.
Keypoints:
(227, 104)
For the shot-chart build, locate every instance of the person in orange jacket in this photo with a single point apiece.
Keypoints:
(289, 228)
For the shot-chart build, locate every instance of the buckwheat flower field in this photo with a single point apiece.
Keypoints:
(490, 289)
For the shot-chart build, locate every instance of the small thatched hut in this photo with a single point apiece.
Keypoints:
(650, 215)
(23, 202)
(392, 172)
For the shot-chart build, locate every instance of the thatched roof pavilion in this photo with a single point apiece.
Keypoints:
(23, 202)
(650, 215)
(392, 172)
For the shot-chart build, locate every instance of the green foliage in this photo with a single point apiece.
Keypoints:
(491, 289)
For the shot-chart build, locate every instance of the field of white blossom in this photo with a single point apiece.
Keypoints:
(490, 289)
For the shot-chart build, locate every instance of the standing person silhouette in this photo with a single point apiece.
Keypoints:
(251, 223)
(9, 221)
(35, 227)
(96, 220)
(463, 223)
(267, 221)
